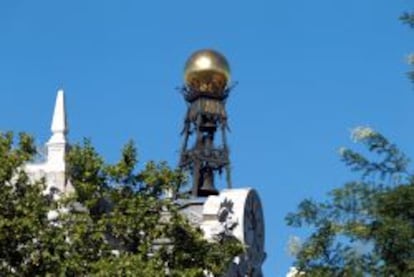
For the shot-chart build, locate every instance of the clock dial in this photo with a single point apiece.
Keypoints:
(245, 215)
(254, 229)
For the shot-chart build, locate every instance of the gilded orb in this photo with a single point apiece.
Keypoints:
(207, 71)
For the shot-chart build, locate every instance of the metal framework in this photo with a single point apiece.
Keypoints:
(206, 116)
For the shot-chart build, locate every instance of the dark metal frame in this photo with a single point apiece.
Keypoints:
(206, 114)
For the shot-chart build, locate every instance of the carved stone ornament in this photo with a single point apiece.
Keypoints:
(238, 213)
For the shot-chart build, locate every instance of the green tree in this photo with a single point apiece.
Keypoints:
(408, 18)
(366, 227)
(117, 223)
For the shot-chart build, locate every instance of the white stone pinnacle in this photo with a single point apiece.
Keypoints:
(59, 124)
(54, 168)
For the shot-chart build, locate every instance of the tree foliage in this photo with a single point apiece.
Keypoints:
(117, 223)
(366, 227)
(408, 19)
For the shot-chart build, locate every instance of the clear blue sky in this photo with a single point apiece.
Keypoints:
(308, 72)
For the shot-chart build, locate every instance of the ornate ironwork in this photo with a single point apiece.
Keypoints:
(206, 115)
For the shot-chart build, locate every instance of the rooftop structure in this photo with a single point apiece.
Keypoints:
(53, 169)
(231, 211)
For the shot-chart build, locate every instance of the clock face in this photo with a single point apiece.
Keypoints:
(238, 211)
(253, 228)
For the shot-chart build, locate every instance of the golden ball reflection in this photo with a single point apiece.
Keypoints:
(207, 71)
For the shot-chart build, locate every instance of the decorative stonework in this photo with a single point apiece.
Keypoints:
(238, 213)
(53, 169)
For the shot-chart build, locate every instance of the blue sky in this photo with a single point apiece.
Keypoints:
(308, 72)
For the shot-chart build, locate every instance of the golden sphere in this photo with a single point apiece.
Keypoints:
(207, 71)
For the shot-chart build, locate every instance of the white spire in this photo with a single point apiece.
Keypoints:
(57, 146)
(53, 169)
(59, 125)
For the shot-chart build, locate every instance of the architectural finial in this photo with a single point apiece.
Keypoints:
(59, 125)
(54, 168)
